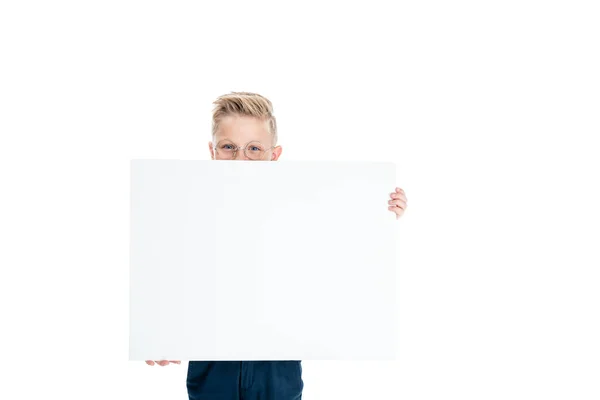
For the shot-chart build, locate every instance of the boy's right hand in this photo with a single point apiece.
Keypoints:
(162, 363)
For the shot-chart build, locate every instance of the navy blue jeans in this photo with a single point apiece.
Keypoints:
(244, 380)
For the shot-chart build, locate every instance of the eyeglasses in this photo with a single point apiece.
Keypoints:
(253, 150)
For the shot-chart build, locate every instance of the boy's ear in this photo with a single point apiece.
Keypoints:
(212, 152)
(276, 153)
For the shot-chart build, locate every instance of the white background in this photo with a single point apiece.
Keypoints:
(489, 110)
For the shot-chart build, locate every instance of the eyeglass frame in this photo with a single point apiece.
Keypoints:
(237, 148)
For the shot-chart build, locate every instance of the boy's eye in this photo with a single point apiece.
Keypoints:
(227, 147)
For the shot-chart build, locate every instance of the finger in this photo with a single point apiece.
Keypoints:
(149, 362)
(399, 203)
(176, 362)
(397, 210)
(162, 363)
(398, 196)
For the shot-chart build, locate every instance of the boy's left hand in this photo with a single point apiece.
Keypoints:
(398, 202)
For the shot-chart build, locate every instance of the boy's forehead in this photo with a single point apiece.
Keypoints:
(243, 129)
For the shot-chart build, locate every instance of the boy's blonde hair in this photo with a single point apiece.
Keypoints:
(244, 104)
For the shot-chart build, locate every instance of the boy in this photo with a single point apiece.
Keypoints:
(244, 128)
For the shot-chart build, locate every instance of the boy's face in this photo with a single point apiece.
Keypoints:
(241, 130)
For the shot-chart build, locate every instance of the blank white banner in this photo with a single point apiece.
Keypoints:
(246, 260)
